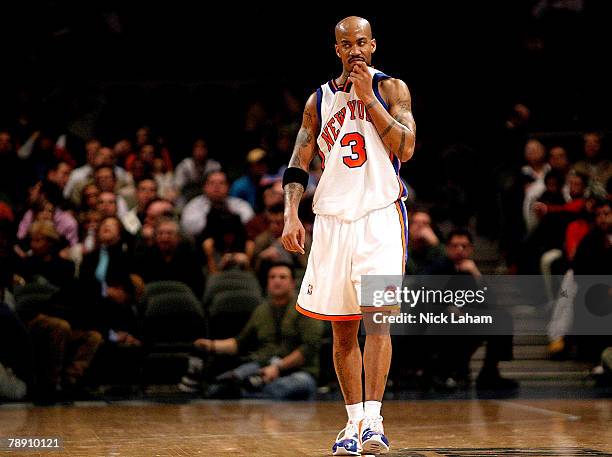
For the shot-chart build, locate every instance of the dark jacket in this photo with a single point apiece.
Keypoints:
(184, 266)
(107, 314)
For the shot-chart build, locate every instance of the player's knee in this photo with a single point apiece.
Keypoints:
(345, 327)
(344, 337)
(378, 339)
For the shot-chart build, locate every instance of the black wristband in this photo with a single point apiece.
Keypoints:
(295, 174)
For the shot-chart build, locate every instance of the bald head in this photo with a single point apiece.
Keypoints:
(354, 42)
(351, 25)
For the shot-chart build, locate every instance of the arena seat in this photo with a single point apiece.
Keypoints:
(172, 321)
(156, 288)
(172, 317)
(230, 281)
(161, 287)
(230, 310)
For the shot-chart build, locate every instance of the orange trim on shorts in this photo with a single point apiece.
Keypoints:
(401, 218)
(327, 317)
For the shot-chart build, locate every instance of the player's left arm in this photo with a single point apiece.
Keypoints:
(396, 127)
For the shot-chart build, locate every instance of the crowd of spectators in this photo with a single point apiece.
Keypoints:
(559, 224)
(99, 232)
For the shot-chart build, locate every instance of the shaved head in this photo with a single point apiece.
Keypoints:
(353, 24)
(354, 42)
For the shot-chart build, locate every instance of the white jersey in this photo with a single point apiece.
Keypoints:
(359, 175)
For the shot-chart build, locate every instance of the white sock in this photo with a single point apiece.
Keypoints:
(372, 408)
(355, 412)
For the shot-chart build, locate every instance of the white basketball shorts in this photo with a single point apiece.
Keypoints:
(342, 252)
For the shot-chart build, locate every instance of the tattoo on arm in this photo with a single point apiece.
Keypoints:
(303, 153)
(401, 120)
(403, 141)
(404, 110)
(387, 129)
(293, 195)
(304, 149)
(404, 105)
(371, 104)
(304, 139)
(404, 119)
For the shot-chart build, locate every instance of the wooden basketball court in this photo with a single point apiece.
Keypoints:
(468, 428)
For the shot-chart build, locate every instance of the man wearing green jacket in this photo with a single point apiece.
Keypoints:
(280, 346)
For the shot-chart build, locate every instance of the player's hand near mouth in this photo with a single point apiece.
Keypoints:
(362, 81)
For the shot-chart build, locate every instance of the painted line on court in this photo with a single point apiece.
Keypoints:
(535, 409)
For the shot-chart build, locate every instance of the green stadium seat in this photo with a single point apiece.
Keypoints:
(161, 287)
(230, 310)
(230, 281)
(172, 317)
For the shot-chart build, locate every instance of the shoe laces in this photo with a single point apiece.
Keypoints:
(349, 431)
(373, 423)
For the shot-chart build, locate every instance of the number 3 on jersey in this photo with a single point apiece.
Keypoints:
(358, 154)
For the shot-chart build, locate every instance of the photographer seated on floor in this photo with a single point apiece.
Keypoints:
(278, 346)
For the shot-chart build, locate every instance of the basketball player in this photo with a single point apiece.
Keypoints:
(362, 127)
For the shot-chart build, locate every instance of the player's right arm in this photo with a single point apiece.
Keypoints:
(304, 151)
